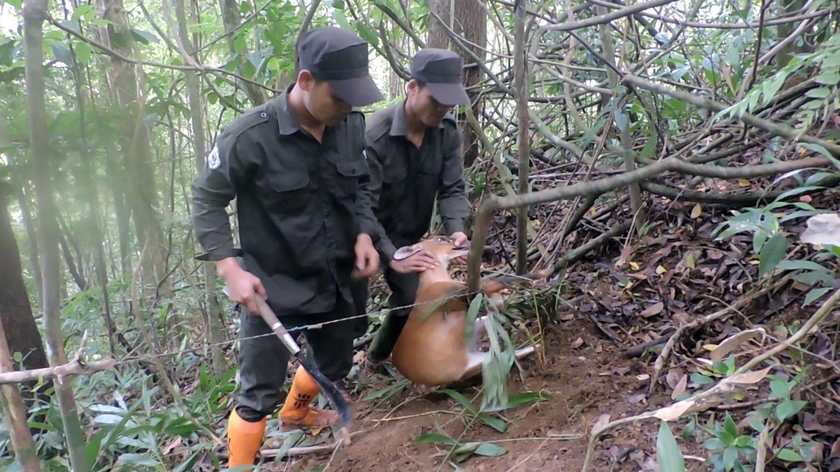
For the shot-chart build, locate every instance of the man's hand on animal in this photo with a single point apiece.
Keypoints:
(241, 284)
(418, 261)
(459, 239)
(367, 258)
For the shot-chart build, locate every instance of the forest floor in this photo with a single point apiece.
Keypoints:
(676, 273)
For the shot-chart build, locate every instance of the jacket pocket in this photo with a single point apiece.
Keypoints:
(287, 191)
(347, 180)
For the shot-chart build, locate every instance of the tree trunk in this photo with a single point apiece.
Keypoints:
(91, 197)
(24, 203)
(34, 13)
(520, 71)
(116, 183)
(21, 329)
(470, 23)
(231, 19)
(212, 318)
(14, 412)
(126, 80)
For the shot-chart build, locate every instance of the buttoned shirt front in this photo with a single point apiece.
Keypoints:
(300, 204)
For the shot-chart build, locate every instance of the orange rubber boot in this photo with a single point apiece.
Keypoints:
(244, 440)
(296, 410)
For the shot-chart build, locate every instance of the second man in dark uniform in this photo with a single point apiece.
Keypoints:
(415, 158)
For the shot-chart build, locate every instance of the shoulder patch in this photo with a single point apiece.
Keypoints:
(213, 159)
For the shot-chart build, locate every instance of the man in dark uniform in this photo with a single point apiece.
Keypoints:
(297, 169)
(414, 154)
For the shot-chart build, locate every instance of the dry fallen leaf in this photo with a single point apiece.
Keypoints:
(680, 388)
(734, 341)
(823, 230)
(653, 310)
(172, 445)
(577, 343)
(603, 420)
(675, 411)
(696, 211)
(747, 378)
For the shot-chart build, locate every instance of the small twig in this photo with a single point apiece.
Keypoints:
(417, 415)
(761, 452)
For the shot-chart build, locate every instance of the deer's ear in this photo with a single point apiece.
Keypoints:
(406, 251)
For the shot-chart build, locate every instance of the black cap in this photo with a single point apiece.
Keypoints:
(341, 58)
(441, 70)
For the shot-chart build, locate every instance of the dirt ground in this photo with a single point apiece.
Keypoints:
(584, 381)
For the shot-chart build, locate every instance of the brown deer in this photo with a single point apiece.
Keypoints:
(431, 350)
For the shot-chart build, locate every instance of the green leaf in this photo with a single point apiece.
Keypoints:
(490, 450)
(801, 265)
(461, 399)
(434, 438)
(821, 150)
(777, 85)
(700, 379)
(62, 53)
(239, 42)
(15, 3)
(730, 457)
(828, 78)
(650, 145)
(620, 120)
(778, 389)
(138, 459)
(341, 19)
(730, 427)
(788, 408)
(821, 92)
(472, 315)
(83, 51)
(815, 294)
(743, 441)
(811, 278)
(83, 11)
(789, 455)
(713, 444)
(496, 423)
(668, 453)
(143, 36)
(772, 253)
(367, 34)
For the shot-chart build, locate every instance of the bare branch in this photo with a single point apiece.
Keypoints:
(597, 20)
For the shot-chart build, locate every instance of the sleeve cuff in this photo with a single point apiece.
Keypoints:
(370, 230)
(454, 226)
(386, 251)
(219, 254)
